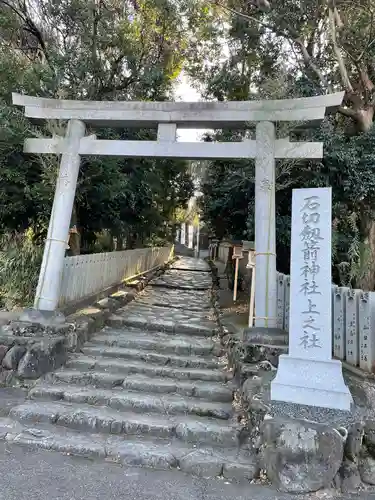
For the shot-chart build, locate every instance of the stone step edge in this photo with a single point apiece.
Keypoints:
(117, 337)
(181, 287)
(156, 454)
(120, 381)
(108, 365)
(189, 270)
(116, 320)
(170, 359)
(153, 303)
(107, 421)
(157, 346)
(132, 400)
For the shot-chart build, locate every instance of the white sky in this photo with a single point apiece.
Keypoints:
(185, 92)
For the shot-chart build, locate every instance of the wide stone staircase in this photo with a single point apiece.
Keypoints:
(150, 389)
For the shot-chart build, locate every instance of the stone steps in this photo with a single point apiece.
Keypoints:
(118, 366)
(212, 391)
(140, 402)
(132, 451)
(159, 342)
(149, 389)
(207, 431)
(151, 357)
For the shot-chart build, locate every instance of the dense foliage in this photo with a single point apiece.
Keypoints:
(280, 49)
(97, 50)
(86, 49)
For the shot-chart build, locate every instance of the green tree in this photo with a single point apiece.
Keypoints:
(96, 49)
(291, 49)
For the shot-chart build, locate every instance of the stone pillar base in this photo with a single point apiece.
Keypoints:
(311, 383)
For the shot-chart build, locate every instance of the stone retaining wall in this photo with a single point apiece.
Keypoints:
(32, 345)
(299, 449)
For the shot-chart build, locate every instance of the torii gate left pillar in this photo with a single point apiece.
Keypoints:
(50, 276)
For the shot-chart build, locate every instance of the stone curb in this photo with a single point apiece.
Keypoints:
(29, 350)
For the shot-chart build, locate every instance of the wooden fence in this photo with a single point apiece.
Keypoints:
(86, 275)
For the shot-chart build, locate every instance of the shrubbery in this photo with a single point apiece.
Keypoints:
(20, 261)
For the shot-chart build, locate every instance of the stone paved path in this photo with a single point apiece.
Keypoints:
(149, 389)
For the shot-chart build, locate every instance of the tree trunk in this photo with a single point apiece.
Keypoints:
(120, 242)
(365, 119)
(367, 279)
(131, 241)
(74, 237)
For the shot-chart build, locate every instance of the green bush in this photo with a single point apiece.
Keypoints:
(20, 261)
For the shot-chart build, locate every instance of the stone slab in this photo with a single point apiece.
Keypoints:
(119, 367)
(177, 278)
(211, 391)
(140, 402)
(157, 342)
(156, 312)
(352, 334)
(91, 419)
(316, 383)
(265, 335)
(366, 316)
(287, 302)
(190, 264)
(152, 322)
(338, 321)
(280, 300)
(152, 357)
(127, 450)
(199, 300)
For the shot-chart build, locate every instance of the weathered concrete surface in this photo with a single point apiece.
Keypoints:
(40, 474)
(181, 299)
(149, 389)
(185, 264)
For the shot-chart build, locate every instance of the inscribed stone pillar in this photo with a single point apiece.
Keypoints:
(338, 321)
(48, 290)
(309, 375)
(265, 227)
(352, 333)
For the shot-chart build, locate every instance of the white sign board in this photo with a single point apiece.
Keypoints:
(310, 289)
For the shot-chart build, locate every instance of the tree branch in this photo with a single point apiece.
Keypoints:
(307, 58)
(340, 60)
(350, 113)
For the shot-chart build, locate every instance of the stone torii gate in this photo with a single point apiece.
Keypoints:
(167, 117)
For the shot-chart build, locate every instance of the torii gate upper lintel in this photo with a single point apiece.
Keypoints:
(167, 117)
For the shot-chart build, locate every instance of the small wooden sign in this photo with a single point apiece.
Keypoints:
(251, 260)
(248, 246)
(237, 253)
